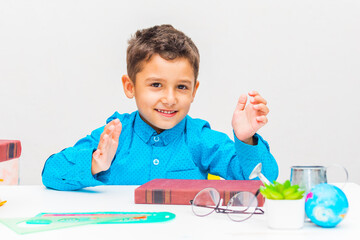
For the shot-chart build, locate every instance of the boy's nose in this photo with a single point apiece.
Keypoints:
(169, 98)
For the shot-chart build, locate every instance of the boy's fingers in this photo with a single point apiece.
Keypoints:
(106, 129)
(262, 119)
(261, 108)
(253, 93)
(110, 129)
(241, 102)
(103, 142)
(108, 143)
(109, 135)
(258, 99)
(117, 131)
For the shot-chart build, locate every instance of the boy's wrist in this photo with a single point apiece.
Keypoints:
(249, 141)
(252, 141)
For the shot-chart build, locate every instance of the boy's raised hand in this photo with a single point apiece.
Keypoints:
(109, 141)
(248, 119)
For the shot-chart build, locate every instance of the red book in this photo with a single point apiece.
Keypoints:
(9, 149)
(180, 191)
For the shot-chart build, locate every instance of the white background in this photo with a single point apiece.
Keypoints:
(61, 64)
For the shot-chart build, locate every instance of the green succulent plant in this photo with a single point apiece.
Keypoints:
(285, 191)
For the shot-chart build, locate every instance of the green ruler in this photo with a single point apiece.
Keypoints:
(51, 221)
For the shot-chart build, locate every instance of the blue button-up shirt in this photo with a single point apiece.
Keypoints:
(190, 150)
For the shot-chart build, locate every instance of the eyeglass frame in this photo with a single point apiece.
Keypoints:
(218, 209)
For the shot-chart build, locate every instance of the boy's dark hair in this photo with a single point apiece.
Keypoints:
(164, 40)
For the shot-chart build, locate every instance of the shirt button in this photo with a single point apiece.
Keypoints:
(156, 162)
(156, 138)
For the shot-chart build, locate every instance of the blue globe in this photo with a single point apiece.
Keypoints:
(326, 205)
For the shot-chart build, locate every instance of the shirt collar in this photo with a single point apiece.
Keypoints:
(147, 133)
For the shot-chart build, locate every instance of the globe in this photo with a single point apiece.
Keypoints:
(326, 205)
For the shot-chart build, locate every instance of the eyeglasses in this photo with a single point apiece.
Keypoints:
(239, 208)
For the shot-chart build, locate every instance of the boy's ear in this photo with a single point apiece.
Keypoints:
(195, 89)
(128, 85)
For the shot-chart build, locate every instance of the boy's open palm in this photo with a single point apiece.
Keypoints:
(109, 141)
(248, 119)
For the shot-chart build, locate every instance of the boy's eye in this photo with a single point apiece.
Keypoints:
(156, 85)
(182, 87)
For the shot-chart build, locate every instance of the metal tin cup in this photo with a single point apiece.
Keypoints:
(309, 176)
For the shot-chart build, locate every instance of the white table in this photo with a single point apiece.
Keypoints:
(28, 201)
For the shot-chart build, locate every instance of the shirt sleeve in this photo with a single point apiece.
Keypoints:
(70, 169)
(220, 155)
(249, 156)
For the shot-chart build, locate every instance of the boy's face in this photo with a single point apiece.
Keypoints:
(164, 91)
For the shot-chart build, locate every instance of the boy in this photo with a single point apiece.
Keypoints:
(160, 140)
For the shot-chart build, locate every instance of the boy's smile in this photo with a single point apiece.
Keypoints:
(163, 90)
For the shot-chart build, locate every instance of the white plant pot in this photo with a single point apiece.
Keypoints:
(285, 214)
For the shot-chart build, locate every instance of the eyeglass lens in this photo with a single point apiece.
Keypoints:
(242, 206)
(205, 202)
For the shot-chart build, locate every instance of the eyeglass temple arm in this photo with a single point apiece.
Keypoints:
(223, 210)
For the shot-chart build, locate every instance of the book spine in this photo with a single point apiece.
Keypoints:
(167, 196)
(163, 196)
(9, 150)
(155, 196)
